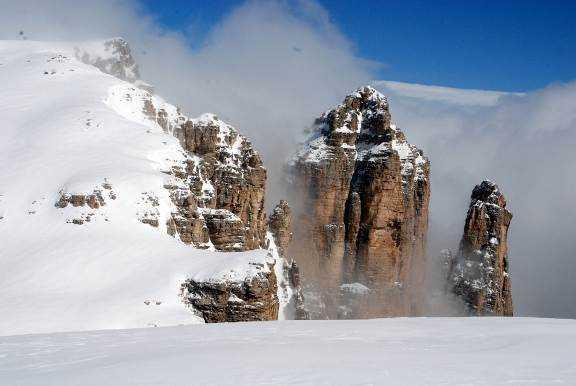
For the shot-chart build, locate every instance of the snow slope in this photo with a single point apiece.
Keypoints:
(63, 131)
(418, 351)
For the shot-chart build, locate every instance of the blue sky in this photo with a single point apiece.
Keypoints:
(500, 45)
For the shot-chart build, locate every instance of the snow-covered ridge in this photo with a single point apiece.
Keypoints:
(352, 125)
(85, 181)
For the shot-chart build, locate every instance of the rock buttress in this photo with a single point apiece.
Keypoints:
(479, 274)
(253, 299)
(280, 226)
(362, 222)
(219, 192)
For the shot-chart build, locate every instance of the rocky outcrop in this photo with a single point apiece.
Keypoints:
(218, 189)
(216, 186)
(112, 57)
(220, 194)
(216, 180)
(85, 205)
(280, 224)
(254, 299)
(479, 273)
(363, 192)
(280, 227)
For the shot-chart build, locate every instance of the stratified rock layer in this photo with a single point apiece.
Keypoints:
(280, 226)
(218, 191)
(253, 299)
(363, 196)
(227, 185)
(479, 273)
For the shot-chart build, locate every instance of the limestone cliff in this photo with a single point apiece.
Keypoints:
(252, 299)
(363, 194)
(226, 180)
(217, 182)
(280, 226)
(479, 274)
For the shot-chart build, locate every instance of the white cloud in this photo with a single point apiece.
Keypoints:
(450, 95)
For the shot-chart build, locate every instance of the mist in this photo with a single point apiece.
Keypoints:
(269, 68)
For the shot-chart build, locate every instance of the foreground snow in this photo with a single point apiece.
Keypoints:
(424, 351)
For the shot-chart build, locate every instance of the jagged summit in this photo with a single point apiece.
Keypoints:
(363, 192)
(479, 274)
(488, 192)
(363, 111)
(361, 127)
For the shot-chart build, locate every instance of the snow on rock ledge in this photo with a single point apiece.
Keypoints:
(227, 296)
(217, 185)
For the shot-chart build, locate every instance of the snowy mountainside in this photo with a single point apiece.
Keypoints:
(83, 178)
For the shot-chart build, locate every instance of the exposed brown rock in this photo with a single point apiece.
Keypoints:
(93, 200)
(363, 218)
(479, 273)
(280, 225)
(254, 299)
(293, 272)
(219, 192)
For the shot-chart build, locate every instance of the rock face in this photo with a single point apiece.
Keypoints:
(215, 182)
(253, 299)
(217, 186)
(218, 191)
(224, 186)
(280, 224)
(363, 193)
(479, 272)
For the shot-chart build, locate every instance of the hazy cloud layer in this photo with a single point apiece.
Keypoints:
(271, 67)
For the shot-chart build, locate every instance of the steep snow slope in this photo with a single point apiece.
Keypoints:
(470, 351)
(65, 133)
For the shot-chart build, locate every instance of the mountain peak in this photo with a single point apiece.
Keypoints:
(488, 191)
